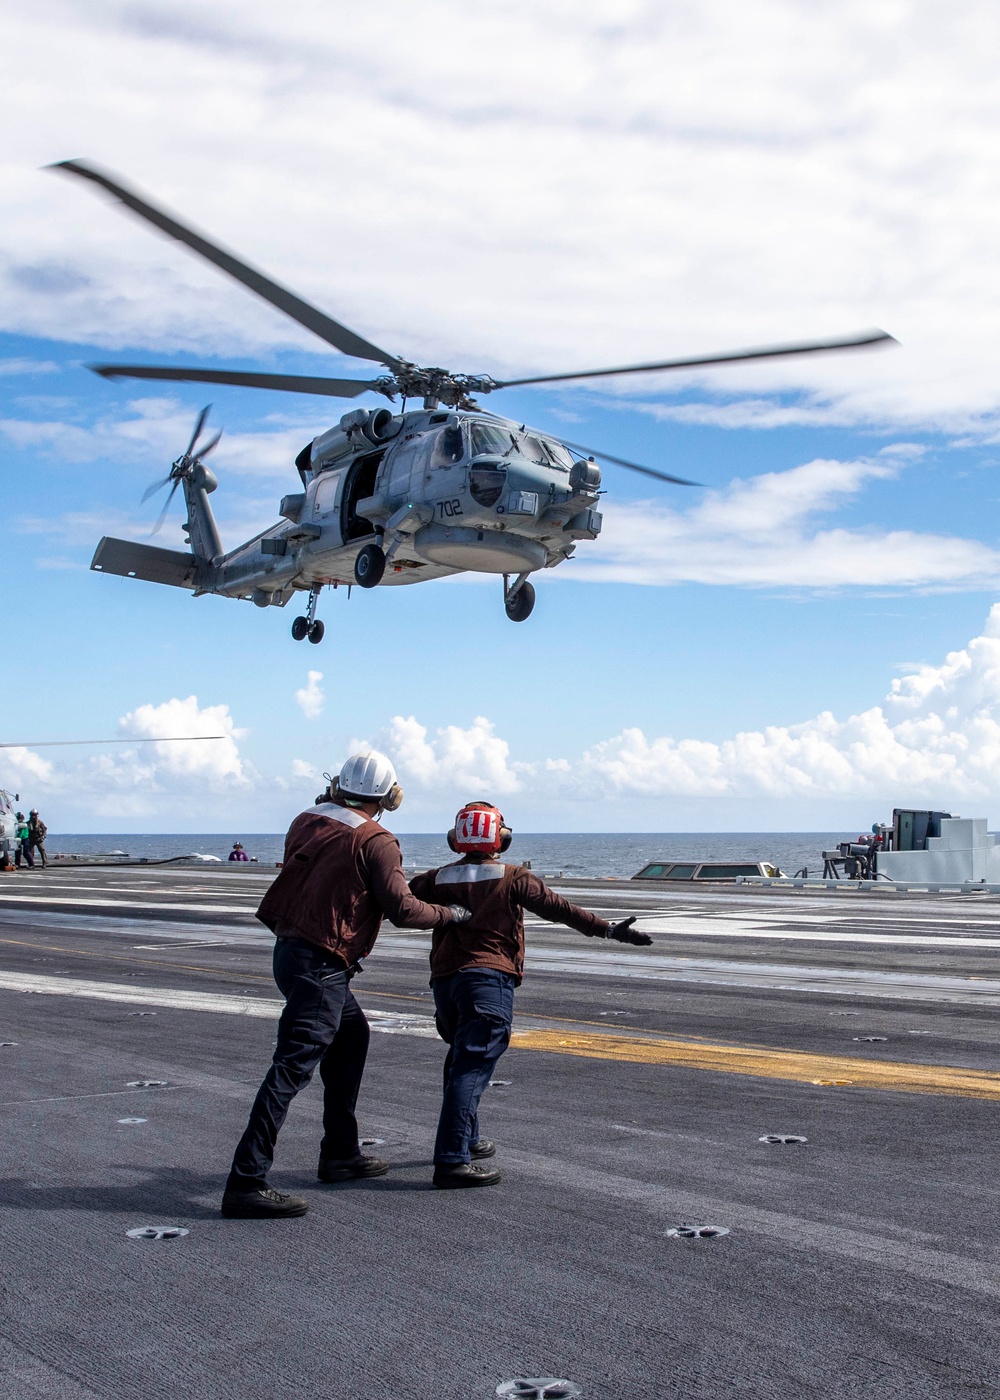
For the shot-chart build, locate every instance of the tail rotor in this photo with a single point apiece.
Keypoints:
(183, 467)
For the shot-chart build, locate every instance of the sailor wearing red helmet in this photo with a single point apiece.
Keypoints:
(475, 967)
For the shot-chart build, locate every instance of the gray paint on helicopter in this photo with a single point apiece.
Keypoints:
(388, 498)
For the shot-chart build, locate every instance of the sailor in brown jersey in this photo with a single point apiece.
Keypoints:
(475, 967)
(341, 873)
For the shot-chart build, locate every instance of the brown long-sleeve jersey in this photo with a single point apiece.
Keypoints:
(496, 895)
(341, 875)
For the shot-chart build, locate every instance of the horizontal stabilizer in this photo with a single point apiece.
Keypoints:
(146, 561)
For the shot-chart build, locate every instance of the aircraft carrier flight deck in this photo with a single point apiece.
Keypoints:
(137, 1016)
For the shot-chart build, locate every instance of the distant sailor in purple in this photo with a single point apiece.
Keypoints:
(238, 853)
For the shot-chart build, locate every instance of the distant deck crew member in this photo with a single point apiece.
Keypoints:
(23, 842)
(342, 873)
(37, 832)
(475, 967)
(238, 853)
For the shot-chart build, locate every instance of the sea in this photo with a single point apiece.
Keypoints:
(595, 855)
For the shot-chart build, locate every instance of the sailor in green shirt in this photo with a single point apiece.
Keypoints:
(23, 842)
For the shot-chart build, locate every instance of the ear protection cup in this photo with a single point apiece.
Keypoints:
(393, 798)
(450, 838)
(506, 837)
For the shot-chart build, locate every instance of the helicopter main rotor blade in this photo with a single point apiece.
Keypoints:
(291, 383)
(341, 337)
(766, 352)
(632, 466)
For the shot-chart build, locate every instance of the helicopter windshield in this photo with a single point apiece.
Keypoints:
(490, 439)
(545, 451)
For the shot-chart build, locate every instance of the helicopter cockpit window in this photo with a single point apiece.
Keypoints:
(490, 438)
(449, 447)
(559, 455)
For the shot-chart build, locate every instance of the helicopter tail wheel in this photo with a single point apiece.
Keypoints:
(300, 628)
(315, 633)
(520, 605)
(369, 566)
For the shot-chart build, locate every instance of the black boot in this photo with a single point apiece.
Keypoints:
(482, 1148)
(345, 1169)
(260, 1203)
(450, 1176)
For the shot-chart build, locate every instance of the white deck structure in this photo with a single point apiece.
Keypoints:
(965, 851)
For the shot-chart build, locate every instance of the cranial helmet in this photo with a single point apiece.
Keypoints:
(480, 830)
(368, 777)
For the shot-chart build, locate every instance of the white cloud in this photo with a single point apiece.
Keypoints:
(649, 179)
(311, 699)
(935, 738)
(473, 758)
(215, 761)
(761, 532)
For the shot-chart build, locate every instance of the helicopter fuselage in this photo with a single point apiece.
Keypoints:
(439, 492)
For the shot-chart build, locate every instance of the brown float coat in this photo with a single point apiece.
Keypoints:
(342, 874)
(496, 894)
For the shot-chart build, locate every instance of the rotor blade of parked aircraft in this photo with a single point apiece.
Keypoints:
(632, 466)
(167, 739)
(280, 297)
(765, 352)
(292, 383)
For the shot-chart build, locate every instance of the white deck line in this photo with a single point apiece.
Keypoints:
(121, 906)
(264, 1008)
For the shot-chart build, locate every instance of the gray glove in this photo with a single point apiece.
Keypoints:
(458, 914)
(623, 932)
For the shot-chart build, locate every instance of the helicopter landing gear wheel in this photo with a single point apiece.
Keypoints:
(518, 606)
(369, 566)
(300, 629)
(315, 633)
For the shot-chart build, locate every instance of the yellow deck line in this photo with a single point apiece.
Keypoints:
(763, 1063)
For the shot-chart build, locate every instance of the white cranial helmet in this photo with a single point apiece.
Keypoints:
(371, 778)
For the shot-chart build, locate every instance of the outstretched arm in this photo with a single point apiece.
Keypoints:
(535, 895)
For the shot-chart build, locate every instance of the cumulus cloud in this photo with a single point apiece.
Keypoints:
(213, 760)
(761, 532)
(142, 780)
(453, 758)
(311, 698)
(934, 738)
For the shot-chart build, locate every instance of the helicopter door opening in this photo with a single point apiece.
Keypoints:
(360, 484)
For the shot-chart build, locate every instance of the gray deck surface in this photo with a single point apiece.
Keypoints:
(864, 1264)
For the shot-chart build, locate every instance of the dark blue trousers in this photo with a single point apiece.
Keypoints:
(322, 1025)
(474, 1009)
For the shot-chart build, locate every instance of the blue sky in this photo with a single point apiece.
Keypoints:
(619, 183)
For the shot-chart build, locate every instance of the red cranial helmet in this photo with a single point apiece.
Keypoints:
(480, 830)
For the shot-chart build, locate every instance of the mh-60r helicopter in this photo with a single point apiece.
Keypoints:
(387, 498)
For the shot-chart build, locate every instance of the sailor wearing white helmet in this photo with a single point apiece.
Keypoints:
(342, 873)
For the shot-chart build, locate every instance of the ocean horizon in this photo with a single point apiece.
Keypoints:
(595, 854)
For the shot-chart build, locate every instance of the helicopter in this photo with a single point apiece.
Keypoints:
(387, 497)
